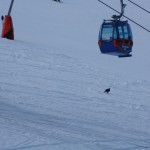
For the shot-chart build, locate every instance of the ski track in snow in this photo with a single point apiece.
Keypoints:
(52, 101)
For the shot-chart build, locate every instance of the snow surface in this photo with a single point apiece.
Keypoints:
(52, 78)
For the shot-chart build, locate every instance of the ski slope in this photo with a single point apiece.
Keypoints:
(52, 78)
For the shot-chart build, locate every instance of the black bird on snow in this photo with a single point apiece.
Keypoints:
(107, 91)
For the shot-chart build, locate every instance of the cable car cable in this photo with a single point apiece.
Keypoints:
(139, 6)
(125, 16)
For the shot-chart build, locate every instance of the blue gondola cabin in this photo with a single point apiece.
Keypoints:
(115, 38)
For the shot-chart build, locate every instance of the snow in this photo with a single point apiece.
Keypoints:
(53, 77)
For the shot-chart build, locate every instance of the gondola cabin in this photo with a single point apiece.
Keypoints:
(115, 38)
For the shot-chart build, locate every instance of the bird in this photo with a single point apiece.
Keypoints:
(107, 91)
